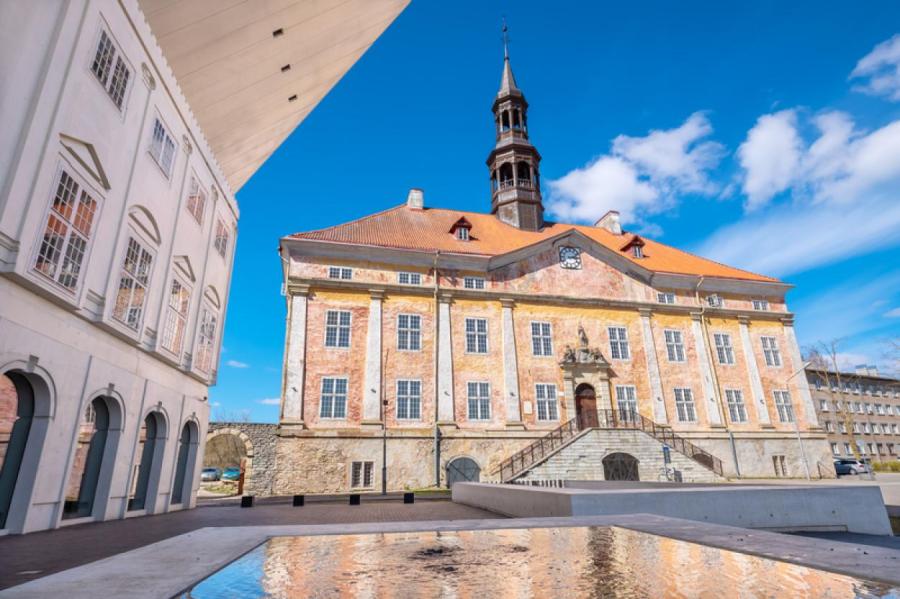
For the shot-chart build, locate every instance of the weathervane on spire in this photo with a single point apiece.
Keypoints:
(505, 40)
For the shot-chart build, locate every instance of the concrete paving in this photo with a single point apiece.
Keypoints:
(889, 482)
(173, 565)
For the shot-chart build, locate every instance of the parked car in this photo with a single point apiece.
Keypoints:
(231, 473)
(210, 474)
(850, 466)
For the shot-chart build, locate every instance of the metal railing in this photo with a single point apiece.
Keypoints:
(526, 458)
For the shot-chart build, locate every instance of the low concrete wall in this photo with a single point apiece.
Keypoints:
(795, 508)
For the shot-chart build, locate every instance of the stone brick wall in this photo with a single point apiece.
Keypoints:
(259, 442)
(583, 459)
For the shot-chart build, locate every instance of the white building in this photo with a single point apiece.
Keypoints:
(118, 170)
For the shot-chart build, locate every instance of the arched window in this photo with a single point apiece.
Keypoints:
(16, 414)
(523, 174)
(152, 435)
(504, 121)
(506, 175)
(84, 474)
(517, 119)
(184, 467)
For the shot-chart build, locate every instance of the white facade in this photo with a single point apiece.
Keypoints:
(117, 234)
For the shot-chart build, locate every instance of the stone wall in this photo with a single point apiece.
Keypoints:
(258, 441)
(583, 458)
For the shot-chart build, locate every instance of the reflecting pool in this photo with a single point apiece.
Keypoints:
(539, 562)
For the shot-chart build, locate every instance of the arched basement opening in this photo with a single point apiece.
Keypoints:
(463, 470)
(620, 466)
(187, 457)
(16, 415)
(84, 474)
(150, 445)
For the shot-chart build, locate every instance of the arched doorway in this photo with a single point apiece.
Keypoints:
(620, 466)
(84, 475)
(150, 448)
(462, 470)
(16, 415)
(230, 448)
(586, 406)
(184, 466)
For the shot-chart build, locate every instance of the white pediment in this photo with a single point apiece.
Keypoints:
(86, 156)
(183, 263)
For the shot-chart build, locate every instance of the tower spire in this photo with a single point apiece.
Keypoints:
(507, 81)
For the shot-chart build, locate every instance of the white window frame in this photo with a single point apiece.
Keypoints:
(413, 333)
(222, 239)
(665, 297)
(761, 305)
(338, 327)
(770, 351)
(362, 474)
(340, 273)
(541, 339)
(172, 315)
(474, 336)
(196, 199)
(473, 282)
(626, 400)
(783, 405)
(724, 348)
(407, 400)
(204, 353)
(134, 276)
(547, 407)
(685, 407)
(334, 395)
(116, 59)
(737, 409)
(413, 279)
(479, 400)
(159, 154)
(715, 301)
(619, 347)
(674, 339)
(462, 233)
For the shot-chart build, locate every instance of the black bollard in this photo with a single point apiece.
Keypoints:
(247, 501)
(409, 498)
(299, 500)
(354, 500)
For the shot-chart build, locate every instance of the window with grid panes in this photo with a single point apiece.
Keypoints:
(221, 240)
(547, 405)
(196, 200)
(665, 297)
(473, 282)
(409, 332)
(626, 400)
(770, 351)
(340, 272)
(333, 399)
(162, 147)
(479, 400)
(110, 69)
(724, 349)
(674, 345)
(541, 339)
(409, 278)
(176, 316)
(133, 280)
(337, 328)
(409, 399)
(362, 475)
(736, 409)
(783, 405)
(206, 338)
(684, 405)
(476, 336)
(618, 343)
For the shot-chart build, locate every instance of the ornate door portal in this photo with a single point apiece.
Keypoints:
(586, 407)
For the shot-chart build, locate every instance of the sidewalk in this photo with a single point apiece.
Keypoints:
(888, 481)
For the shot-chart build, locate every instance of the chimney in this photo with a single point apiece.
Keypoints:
(610, 221)
(415, 199)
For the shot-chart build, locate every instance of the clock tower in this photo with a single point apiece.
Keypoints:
(513, 163)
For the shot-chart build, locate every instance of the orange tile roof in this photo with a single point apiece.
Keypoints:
(428, 230)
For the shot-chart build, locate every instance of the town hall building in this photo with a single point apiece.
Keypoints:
(427, 345)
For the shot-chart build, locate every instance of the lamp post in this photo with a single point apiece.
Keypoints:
(797, 424)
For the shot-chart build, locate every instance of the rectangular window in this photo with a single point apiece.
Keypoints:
(206, 339)
(626, 399)
(714, 301)
(847, 450)
(476, 336)
(829, 426)
(333, 401)
(545, 395)
(684, 405)
(778, 462)
(736, 409)
(162, 147)
(362, 475)
(340, 272)
(761, 304)
(409, 400)
(541, 339)
(479, 396)
(724, 349)
(618, 343)
(665, 298)
(409, 332)
(674, 345)
(221, 241)
(843, 427)
(196, 200)
(337, 328)
(823, 405)
(176, 317)
(409, 278)
(879, 409)
(473, 282)
(834, 449)
(784, 406)
(110, 69)
(133, 279)
(67, 233)
(770, 350)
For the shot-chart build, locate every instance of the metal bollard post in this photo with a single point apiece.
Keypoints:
(247, 501)
(354, 500)
(299, 500)
(409, 497)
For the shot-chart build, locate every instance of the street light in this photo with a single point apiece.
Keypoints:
(797, 425)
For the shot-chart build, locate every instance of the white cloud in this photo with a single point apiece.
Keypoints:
(895, 313)
(641, 176)
(236, 364)
(880, 70)
(769, 157)
(269, 401)
(215, 404)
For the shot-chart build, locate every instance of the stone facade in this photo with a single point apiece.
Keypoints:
(257, 455)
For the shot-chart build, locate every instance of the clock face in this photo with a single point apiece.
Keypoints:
(570, 257)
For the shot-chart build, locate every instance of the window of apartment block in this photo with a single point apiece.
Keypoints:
(868, 408)
(843, 427)
(333, 400)
(684, 405)
(340, 272)
(626, 400)
(770, 351)
(856, 428)
(665, 297)
(541, 339)
(409, 332)
(162, 147)
(674, 345)
(724, 349)
(823, 405)
(545, 397)
(760, 304)
(714, 301)
(133, 280)
(879, 448)
(362, 475)
(879, 409)
(779, 462)
(476, 336)
(337, 328)
(67, 233)
(872, 449)
(409, 278)
(847, 450)
(829, 426)
(409, 399)
(859, 407)
(221, 241)
(196, 200)
(479, 400)
(110, 69)
(473, 282)
(783, 405)
(618, 343)
(737, 411)
(834, 449)
(176, 316)
(206, 339)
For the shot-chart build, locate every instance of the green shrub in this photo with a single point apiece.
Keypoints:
(891, 466)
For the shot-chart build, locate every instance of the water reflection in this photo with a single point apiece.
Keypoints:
(542, 562)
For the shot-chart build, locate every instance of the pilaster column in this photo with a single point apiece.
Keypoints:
(569, 392)
(372, 391)
(445, 361)
(294, 366)
(800, 380)
(659, 406)
(759, 396)
(510, 366)
(706, 377)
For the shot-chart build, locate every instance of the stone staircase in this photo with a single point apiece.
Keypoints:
(575, 450)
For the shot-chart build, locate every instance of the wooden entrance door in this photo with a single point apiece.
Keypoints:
(586, 407)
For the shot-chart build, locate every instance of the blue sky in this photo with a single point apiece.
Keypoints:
(765, 135)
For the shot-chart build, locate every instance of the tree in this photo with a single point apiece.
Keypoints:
(823, 360)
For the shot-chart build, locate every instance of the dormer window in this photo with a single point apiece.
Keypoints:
(462, 233)
(637, 251)
(462, 230)
(635, 246)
